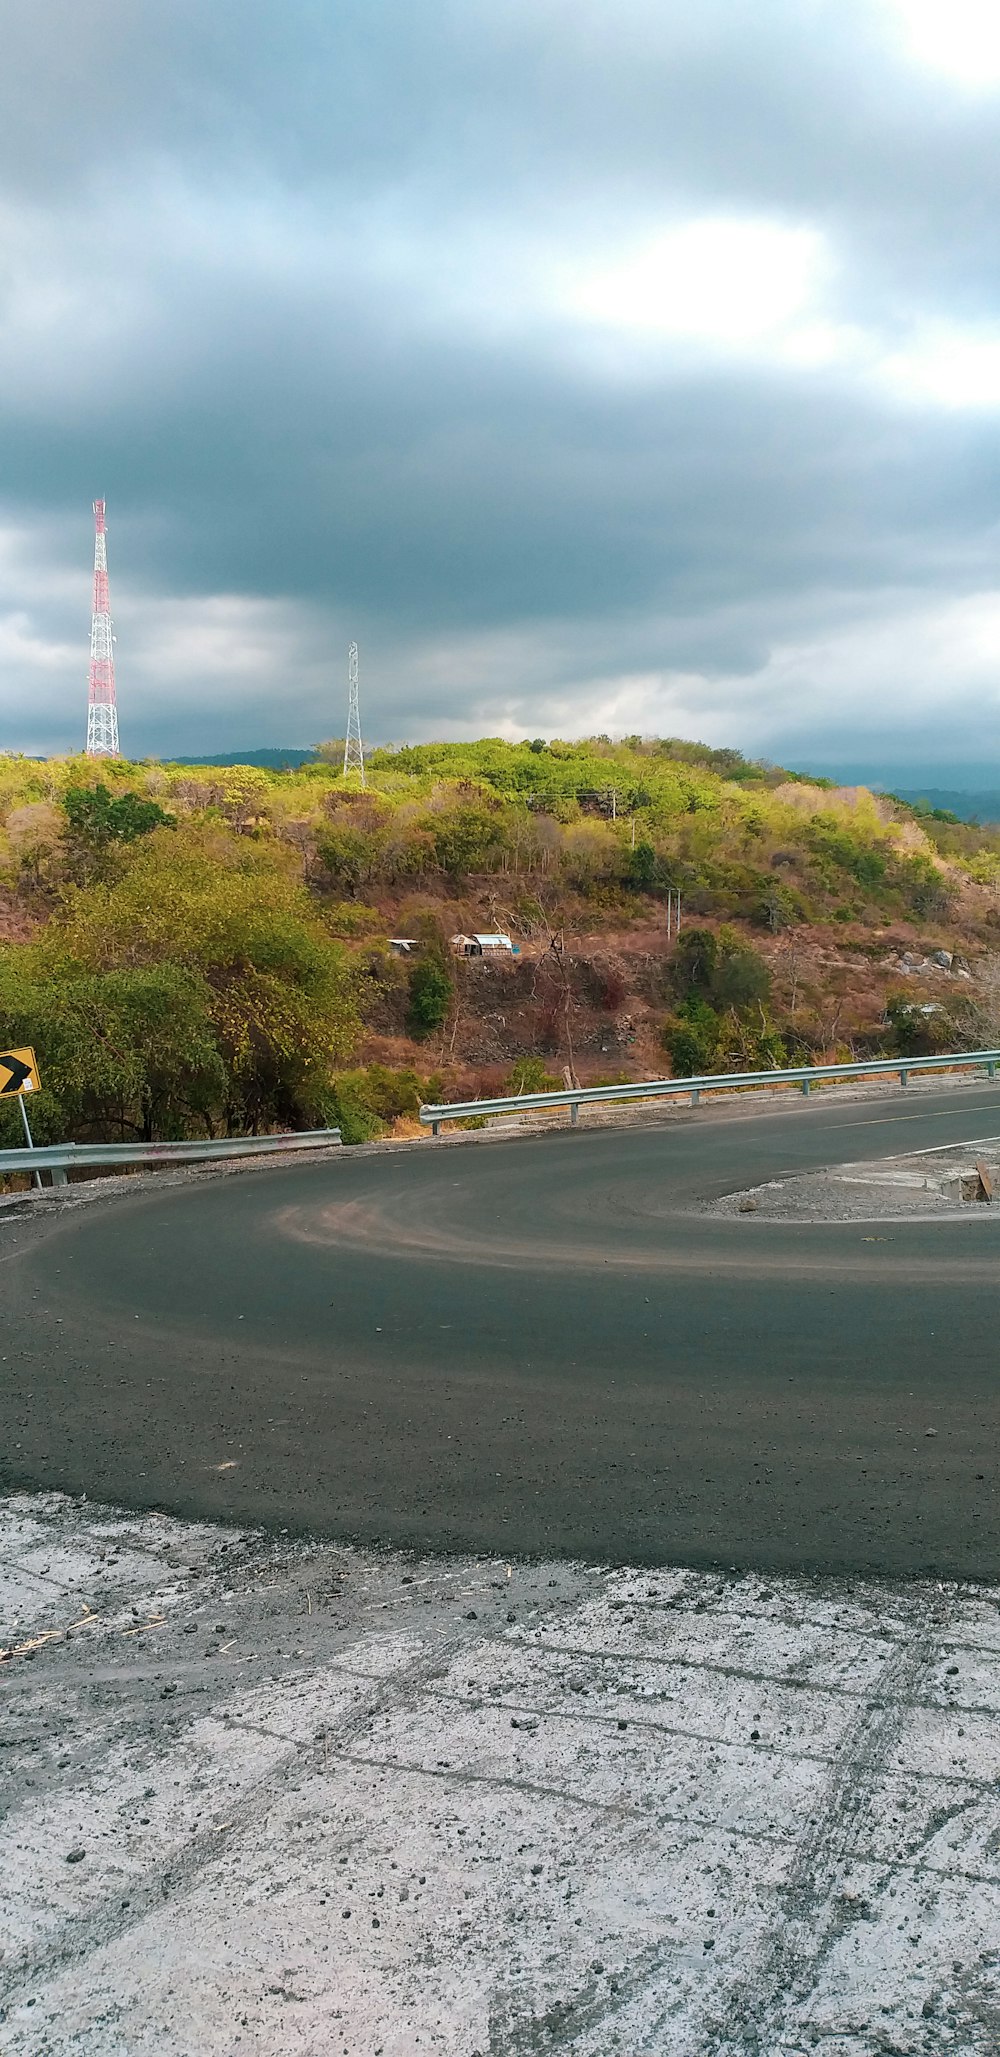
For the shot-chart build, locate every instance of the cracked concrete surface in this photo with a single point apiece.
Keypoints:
(924, 1185)
(267, 1797)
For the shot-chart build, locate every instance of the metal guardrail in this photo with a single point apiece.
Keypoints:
(58, 1158)
(806, 1076)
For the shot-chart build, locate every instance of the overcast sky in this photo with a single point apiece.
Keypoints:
(596, 364)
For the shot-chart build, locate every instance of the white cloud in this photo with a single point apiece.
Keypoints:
(714, 290)
(947, 366)
(884, 670)
(729, 283)
(617, 299)
(958, 38)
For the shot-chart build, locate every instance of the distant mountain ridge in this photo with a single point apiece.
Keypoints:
(261, 760)
(980, 807)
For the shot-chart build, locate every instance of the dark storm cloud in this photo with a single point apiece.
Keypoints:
(300, 290)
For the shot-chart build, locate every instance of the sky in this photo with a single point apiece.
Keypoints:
(596, 365)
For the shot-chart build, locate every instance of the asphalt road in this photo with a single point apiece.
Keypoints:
(537, 1346)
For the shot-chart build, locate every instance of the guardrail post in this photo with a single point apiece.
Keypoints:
(435, 1128)
(805, 1088)
(696, 1098)
(58, 1175)
(991, 1071)
(904, 1078)
(574, 1112)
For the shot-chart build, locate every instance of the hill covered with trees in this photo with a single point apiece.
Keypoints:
(207, 949)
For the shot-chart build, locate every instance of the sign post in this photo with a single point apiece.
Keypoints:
(18, 1076)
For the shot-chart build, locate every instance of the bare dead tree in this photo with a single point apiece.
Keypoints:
(556, 964)
(831, 1027)
(985, 1010)
(793, 963)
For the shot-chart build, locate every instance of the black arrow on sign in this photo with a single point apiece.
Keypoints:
(17, 1073)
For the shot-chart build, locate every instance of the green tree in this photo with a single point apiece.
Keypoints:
(99, 821)
(642, 868)
(347, 856)
(923, 888)
(123, 1054)
(231, 911)
(721, 1023)
(466, 839)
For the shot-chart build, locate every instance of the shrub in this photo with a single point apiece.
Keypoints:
(365, 1101)
(778, 907)
(612, 988)
(914, 1033)
(695, 961)
(529, 1075)
(691, 1037)
(347, 856)
(348, 1111)
(751, 1042)
(350, 919)
(722, 968)
(431, 989)
(741, 978)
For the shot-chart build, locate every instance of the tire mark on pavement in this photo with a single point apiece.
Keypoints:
(769, 1999)
(180, 1872)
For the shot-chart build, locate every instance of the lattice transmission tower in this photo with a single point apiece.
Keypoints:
(354, 749)
(102, 707)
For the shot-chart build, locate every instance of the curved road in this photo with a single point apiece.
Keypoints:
(537, 1346)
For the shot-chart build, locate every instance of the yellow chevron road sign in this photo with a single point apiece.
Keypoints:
(18, 1073)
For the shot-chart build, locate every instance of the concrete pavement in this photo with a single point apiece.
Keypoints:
(268, 1797)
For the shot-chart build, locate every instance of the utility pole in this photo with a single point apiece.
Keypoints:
(354, 754)
(102, 705)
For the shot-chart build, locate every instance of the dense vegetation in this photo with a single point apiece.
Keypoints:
(197, 950)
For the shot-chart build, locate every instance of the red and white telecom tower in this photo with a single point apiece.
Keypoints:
(102, 708)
